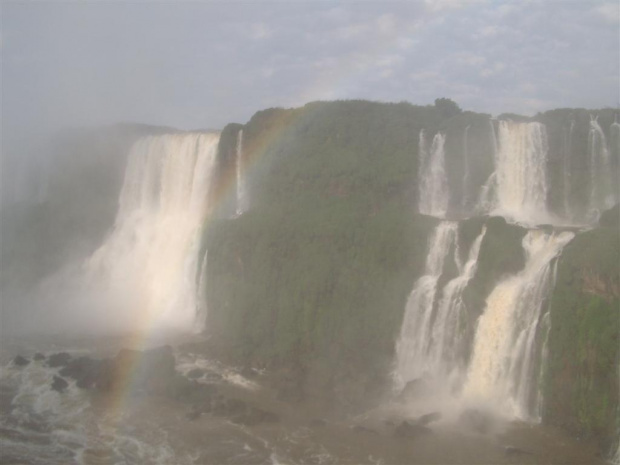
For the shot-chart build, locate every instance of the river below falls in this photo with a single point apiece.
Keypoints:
(41, 426)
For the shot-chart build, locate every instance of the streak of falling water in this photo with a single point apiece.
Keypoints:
(465, 195)
(241, 187)
(601, 172)
(502, 368)
(410, 354)
(444, 347)
(520, 167)
(433, 183)
(568, 148)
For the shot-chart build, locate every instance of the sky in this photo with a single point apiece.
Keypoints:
(203, 64)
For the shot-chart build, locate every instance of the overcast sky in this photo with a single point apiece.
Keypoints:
(203, 64)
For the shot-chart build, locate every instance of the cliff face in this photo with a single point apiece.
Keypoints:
(581, 383)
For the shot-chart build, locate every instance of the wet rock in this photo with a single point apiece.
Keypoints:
(317, 423)
(476, 420)
(213, 377)
(512, 451)
(84, 370)
(58, 360)
(225, 407)
(194, 414)
(59, 384)
(364, 429)
(249, 373)
(413, 389)
(410, 431)
(151, 370)
(38, 357)
(254, 416)
(195, 373)
(183, 390)
(427, 419)
(20, 361)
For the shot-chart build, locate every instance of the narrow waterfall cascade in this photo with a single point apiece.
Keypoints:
(504, 367)
(149, 264)
(566, 171)
(242, 202)
(601, 172)
(466, 174)
(520, 172)
(411, 347)
(433, 182)
(445, 347)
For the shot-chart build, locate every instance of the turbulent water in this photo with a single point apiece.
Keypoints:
(433, 182)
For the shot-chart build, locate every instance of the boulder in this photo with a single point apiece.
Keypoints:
(473, 419)
(407, 430)
(58, 360)
(84, 370)
(195, 373)
(38, 357)
(254, 416)
(413, 389)
(364, 429)
(20, 361)
(59, 384)
(427, 418)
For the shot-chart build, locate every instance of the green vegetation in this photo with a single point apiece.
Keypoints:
(581, 382)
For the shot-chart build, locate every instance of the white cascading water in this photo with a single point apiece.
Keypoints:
(444, 346)
(242, 203)
(502, 367)
(566, 170)
(520, 172)
(412, 344)
(601, 172)
(433, 183)
(465, 189)
(150, 262)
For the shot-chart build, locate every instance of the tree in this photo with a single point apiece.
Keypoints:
(447, 108)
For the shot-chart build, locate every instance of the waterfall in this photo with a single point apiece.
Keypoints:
(503, 364)
(601, 172)
(413, 342)
(241, 188)
(433, 183)
(444, 348)
(149, 263)
(566, 170)
(520, 170)
(465, 169)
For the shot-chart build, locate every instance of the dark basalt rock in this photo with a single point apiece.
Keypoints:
(364, 429)
(512, 451)
(476, 420)
(84, 370)
(58, 360)
(414, 388)
(59, 384)
(195, 373)
(427, 419)
(38, 357)
(254, 416)
(225, 407)
(20, 361)
(410, 431)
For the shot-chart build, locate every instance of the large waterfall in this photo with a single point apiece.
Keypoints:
(503, 364)
(433, 182)
(150, 264)
(520, 172)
